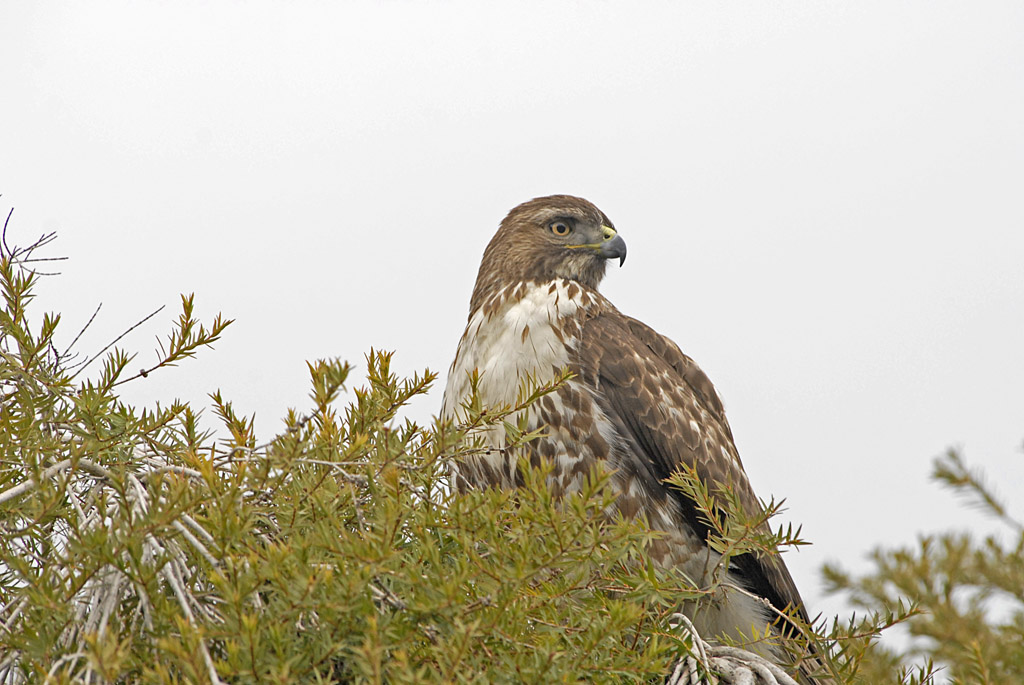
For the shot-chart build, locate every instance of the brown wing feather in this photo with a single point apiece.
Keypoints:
(653, 391)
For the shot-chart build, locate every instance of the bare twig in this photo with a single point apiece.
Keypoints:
(353, 478)
(87, 324)
(43, 259)
(6, 249)
(20, 254)
(385, 596)
(29, 485)
(767, 605)
(61, 661)
(100, 353)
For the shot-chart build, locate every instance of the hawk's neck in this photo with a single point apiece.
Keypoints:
(559, 298)
(524, 330)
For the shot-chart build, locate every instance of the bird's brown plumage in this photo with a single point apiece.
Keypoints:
(635, 404)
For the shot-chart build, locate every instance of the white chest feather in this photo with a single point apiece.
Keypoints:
(514, 341)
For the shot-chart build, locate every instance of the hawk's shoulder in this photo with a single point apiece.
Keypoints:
(670, 414)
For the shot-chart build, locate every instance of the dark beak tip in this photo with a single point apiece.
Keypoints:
(616, 247)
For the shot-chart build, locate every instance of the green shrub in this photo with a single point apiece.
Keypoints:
(137, 546)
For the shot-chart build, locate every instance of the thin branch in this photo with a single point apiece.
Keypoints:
(43, 259)
(353, 478)
(20, 254)
(86, 326)
(200, 547)
(194, 525)
(178, 588)
(30, 484)
(60, 662)
(6, 249)
(159, 469)
(100, 353)
(767, 605)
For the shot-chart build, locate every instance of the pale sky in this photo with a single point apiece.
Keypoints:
(823, 202)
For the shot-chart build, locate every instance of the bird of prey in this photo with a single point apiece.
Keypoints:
(635, 403)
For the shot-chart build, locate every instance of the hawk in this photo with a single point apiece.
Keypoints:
(635, 403)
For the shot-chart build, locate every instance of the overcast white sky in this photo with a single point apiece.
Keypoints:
(823, 201)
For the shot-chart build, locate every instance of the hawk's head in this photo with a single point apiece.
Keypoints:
(559, 236)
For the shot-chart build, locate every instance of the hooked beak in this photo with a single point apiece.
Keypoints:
(613, 245)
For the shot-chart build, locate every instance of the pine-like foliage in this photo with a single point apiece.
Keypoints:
(136, 546)
(969, 595)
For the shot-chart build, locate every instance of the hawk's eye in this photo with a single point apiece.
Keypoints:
(560, 227)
